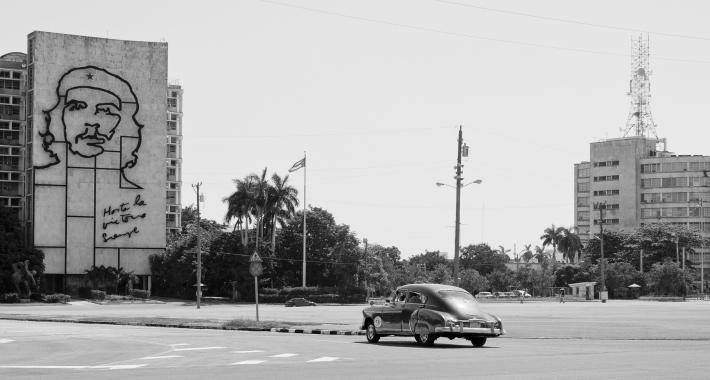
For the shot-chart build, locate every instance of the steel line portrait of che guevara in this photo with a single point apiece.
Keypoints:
(95, 113)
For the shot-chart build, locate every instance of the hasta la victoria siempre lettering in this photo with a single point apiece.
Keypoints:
(121, 215)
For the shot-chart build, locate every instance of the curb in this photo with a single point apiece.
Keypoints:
(318, 331)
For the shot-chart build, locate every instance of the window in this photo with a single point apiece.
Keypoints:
(582, 215)
(607, 178)
(606, 192)
(674, 197)
(674, 212)
(694, 211)
(700, 181)
(650, 198)
(611, 206)
(698, 166)
(694, 226)
(694, 197)
(583, 187)
(650, 168)
(706, 227)
(649, 183)
(607, 221)
(650, 212)
(583, 201)
(583, 173)
(172, 102)
(675, 167)
(416, 297)
(4, 176)
(606, 163)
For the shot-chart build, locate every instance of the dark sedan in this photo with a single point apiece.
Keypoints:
(430, 311)
(299, 302)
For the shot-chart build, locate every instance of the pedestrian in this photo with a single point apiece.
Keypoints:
(562, 295)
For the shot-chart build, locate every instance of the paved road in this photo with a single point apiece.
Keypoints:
(587, 341)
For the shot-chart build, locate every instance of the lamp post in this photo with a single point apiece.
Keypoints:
(367, 272)
(458, 221)
(601, 206)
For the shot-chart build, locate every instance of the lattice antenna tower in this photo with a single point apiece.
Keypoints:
(640, 120)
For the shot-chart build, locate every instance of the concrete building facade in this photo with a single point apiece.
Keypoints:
(13, 67)
(173, 184)
(641, 182)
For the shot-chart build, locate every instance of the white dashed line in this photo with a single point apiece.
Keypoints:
(245, 352)
(249, 362)
(197, 348)
(122, 366)
(45, 366)
(284, 355)
(6, 340)
(180, 344)
(162, 357)
(323, 359)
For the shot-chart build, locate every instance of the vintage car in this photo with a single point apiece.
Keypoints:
(428, 312)
(299, 302)
(484, 295)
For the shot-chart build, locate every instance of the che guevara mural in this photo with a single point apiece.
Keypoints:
(98, 123)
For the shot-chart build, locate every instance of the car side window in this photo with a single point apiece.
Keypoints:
(416, 297)
(401, 296)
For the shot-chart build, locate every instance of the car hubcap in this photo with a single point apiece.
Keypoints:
(371, 332)
(424, 337)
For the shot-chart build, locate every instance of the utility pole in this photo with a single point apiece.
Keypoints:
(601, 207)
(199, 246)
(458, 208)
(367, 272)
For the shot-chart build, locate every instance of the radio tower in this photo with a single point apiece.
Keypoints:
(640, 120)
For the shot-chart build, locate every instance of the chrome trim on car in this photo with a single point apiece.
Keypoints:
(471, 330)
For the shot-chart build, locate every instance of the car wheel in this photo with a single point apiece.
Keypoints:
(417, 338)
(372, 335)
(427, 340)
(478, 342)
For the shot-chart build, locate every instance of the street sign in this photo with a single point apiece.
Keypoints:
(255, 268)
(255, 258)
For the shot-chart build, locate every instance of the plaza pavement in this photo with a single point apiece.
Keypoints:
(622, 319)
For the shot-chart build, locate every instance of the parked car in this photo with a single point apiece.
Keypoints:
(519, 292)
(484, 295)
(510, 294)
(430, 311)
(501, 295)
(299, 302)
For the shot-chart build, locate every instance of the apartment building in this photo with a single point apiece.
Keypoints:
(12, 125)
(173, 182)
(641, 182)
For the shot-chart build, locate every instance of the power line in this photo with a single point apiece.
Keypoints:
(472, 36)
(286, 259)
(573, 22)
(322, 134)
(437, 207)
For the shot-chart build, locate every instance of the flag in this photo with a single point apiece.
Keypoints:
(300, 164)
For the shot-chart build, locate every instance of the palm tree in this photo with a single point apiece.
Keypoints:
(552, 237)
(243, 203)
(570, 245)
(502, 251)
(527, 254)
(540, 255)
(282, 200)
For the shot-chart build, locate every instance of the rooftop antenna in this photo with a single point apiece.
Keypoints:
(640, 121)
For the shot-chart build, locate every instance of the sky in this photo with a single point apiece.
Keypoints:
(375, 92)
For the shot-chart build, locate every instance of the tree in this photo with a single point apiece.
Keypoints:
(502, 251)
(527, 254)
(441, 275)
(552, 236)
(482, 258)
(667, 278)
(658, 242)
(430, 260)
(281, 206)
(614, 241)
(472, 281)
(501, 280)
(570, 245)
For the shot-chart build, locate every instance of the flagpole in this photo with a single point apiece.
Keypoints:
(305, 209)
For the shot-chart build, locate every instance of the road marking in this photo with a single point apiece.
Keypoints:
(249, 362)
(323, 359)
(197, 348)
(121, 366)
(245, 352)
(283, 355)
(162, 357)
(6, 340)
(180, 344)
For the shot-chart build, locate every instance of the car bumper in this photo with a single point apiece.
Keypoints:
(470, 330)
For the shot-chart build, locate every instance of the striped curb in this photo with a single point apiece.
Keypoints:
(318, 331)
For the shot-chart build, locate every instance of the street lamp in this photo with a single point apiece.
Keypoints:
(458, 220)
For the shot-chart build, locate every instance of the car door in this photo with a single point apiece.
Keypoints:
(392, 312)
(415, 301)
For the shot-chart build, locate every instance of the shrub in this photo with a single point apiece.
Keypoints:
(57, 298)
(98, 295)
(84, 292)
(140, 294)
(37, 296)
(9, 298)
(116, 297)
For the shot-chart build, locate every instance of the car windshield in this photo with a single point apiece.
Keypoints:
(462, 301)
